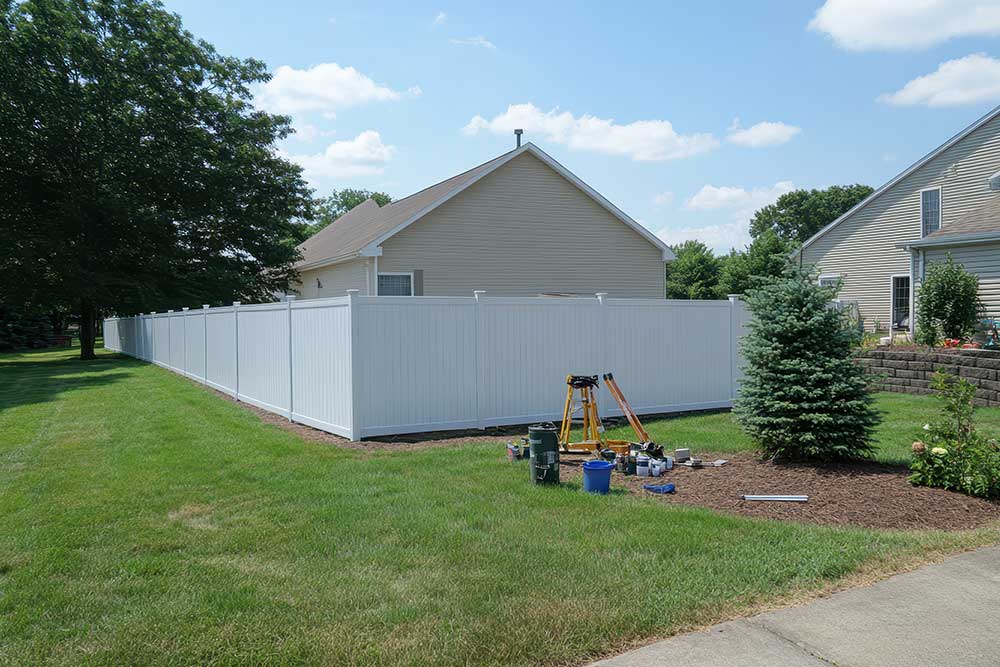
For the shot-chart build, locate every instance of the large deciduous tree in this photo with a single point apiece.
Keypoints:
(694, 274)
(339, 202)
(765, 257)
(135, 172)
(799, 214)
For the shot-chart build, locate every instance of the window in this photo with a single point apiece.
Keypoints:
(395, 284)
(829, 280)
(900, 302)
(930, 210)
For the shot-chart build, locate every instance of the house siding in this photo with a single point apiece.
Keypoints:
(523, 230)
(336, 280)
(984, 261)
(862, 248)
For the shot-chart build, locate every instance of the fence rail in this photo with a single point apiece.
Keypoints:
(368, 366)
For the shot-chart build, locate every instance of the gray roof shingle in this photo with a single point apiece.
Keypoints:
(982, 220)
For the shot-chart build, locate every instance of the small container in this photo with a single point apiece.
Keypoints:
(669, 463)
(656, 467)
(642, 465)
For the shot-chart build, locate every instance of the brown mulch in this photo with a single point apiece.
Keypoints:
(871, 495)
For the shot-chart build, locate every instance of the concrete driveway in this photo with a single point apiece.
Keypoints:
(943, 614)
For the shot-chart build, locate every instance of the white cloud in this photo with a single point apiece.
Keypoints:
(762, 134)
(325, 88)
(364, 155)
(478, 40)
(438, 19)
(859, 25)
(720, 238)
(968, 80)
(642, 140)
(741, 205)
(308, 132)
(663, 198)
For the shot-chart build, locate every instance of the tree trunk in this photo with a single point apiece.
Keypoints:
(88, 325)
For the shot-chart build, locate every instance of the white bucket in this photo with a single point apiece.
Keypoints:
(642, 466)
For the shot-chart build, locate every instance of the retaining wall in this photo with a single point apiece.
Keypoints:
(911, 372)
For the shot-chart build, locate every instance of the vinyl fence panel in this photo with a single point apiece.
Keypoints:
(321, 364)
(368, 366)
(220, 349)
(263, 356)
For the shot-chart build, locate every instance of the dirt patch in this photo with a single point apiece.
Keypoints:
(871, 495)
(198, 517)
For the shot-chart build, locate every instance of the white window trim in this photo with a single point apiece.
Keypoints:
(823, 276)
(940, 208)
(394, 273)
(892, 298)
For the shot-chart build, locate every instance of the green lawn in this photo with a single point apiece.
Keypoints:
(146, 521)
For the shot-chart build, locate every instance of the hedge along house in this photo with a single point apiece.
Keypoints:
(518, 225)
(946, 202)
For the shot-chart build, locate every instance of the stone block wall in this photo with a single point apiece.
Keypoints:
(910, 372)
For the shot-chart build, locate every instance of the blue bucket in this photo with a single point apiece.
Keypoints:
(597, 476)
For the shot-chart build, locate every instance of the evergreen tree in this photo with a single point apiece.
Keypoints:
(802, 395)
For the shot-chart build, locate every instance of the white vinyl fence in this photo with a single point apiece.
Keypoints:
(368, 366)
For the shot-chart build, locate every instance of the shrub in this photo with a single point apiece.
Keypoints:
(953, 455)
(802, 394)
(23, 327)
(948, 303)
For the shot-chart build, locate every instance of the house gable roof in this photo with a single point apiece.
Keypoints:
(899, 177)
(351, 236)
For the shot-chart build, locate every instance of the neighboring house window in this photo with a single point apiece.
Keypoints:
(901, 302)
(930, 210)
(395, 284)
(829, 280)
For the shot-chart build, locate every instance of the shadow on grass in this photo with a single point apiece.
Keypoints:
(40, 376)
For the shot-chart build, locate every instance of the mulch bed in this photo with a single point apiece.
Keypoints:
(871, 495)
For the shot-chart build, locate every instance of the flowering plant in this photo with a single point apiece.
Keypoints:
(952, 454)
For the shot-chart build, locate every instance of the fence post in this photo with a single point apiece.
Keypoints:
(170, 346)
(152, 336)
(602, 353)
(734, 343)
(184, 339)
(236, 344)
(480, 349)
(291, 380)
(204, 327)
(355, 342)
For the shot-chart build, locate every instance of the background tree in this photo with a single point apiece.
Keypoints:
(948, 303)
(340, 202)
(802, 395)
(799, 214)
(136, 173)
(694, 274)
(765, 257)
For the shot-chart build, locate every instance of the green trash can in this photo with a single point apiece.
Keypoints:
(543, 442)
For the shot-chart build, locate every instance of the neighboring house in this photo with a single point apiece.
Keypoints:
(518, 225)
(947, 202)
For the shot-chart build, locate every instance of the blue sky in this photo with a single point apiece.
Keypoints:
(687, 117)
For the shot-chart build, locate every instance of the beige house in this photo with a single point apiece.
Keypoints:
(518, 225)
(947, 202)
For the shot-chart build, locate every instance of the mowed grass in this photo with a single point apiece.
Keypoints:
(903, 415)
(149, 522)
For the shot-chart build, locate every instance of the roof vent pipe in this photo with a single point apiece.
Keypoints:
(518, 133)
